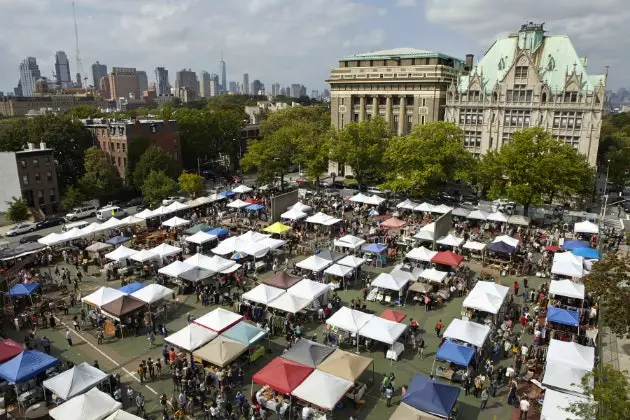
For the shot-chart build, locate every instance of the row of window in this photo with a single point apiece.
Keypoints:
(519, 94)
(573, 141)
(472, 138)
(35, 162)
(120, 147)
(567, 120)
(517, 118)
(382, 100)
(38, 178)
(471, 116)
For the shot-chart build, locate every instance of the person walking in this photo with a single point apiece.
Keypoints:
(468, 383)
(68, 337)
(151, 339)
(421, 347)
(140, 404)
(389, 394)
(484, 398)
(46, 344)
(516, 286)
(524, 406)
(438, 328)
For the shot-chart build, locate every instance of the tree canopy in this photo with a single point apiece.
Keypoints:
(73, 197)
(192, 184)
(84, 111)
(432, 155)
(534, 166)
(153, 159)
(614, 146)
(101, 179)
(17, 210)
(157, 186)
(609, 388)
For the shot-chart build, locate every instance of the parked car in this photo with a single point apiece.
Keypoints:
(82, 212)
(376, 190)
(30, 238)
(22, 228)
(171, 200)
(133, 202)
(50, 222)
(108, 212)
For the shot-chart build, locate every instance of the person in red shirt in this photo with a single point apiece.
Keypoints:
(438, 327)
(516, 288)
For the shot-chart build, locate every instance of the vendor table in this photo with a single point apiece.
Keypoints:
(395, 351)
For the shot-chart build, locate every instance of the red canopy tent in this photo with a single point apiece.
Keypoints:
(282, 375)
(393, 315)
(9, 349)
(253, 201)
(447, 258)
(393, 223)
(553, 248)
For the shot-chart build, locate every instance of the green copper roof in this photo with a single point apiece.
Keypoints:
(398, 53)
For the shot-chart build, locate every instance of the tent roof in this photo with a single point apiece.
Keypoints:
(486, 296)
(214, 263)
(565, 377)
(426, 232)
(241, 189)
(442, 209)
(349, 319)
(23, 289)
(475, 246)
(387, 281)
(131, 287)
(322, 219)
(586, 227)
(572, 354)
(175, 222)
(407, 204)
(9, 349)
(431, 396)
(144, 255)
(513, 242)
(111, 223)
(447, 258)
(177, 206)
(97, 246)
(497, 216)
(517, 219)
(374, 248)
(153, 293)
(501, 248)
(218, 320)
(199, 227)
(314, 263)
(237, 204)
(308, 353)
(165, 250)
(567, 288)
(221, 351)
(245, 333)
(563, 316)
(201, 237)
(121, 414)
(467, 331)
(393, 315)
(338, 270)
(252, 236)
(290, 303)
(120, 253)
(308, 289)
(103, 296)
(432, 274)
(421, 254)
(393, 223)
(349, 241)
(93, 405)
(144, 214)
(322, 389)
(345, 365)
(556, 404)
(175, 268)
(406, 412)
(383, 330)
(461, 212)
(569, 245)
(359, 198)
(75, 381)
(277, 227)
(330, 255)
(587, 253)
(301, 207)
(123, 305)
(26, 365)
(455, 353)
(451, 240)
(425, 207)
(282, 280)
(568, 264)
(351, 261)
(263, 294)
(478, 215)
(293, 214)
(420, 287)
(282, 375)
(191, 337)
(117, 240)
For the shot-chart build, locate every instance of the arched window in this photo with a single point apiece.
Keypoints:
(544, 97)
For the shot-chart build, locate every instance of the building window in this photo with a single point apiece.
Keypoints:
(118, 147)
(23, 163)
(153, 128)
(356, 117)
(472, 138)
(573, 141)
(123, 147)
(53, 195)
(40, 196)
(342, 120)
(520, 93)
(506, 138)
(471, 116)
(35, 162)
(570, 97)
(396, 120)
(368, 116)
(474, 95)
(25, 179)
(424, 101)
(118, 161)
(570, 120)
(409, 123)
(521, 72)
(422, 119)
(38, 178)
(46, 160)
(517, 118)
(49, 176)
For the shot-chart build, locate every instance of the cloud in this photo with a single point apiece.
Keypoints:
(406, 3)
(373, 38)
(596, 29)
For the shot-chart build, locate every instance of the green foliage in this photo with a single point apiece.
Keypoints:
(192, 184)
(73, 197)
(432, 155)
(362, 147)
(534, 166)
(609, 388)
(17, 210)
(609, 279)
(614, 146)
(153, 159)
(316, 116)
(13, 134)
(84, 111)
(101, 179)
(157, 186)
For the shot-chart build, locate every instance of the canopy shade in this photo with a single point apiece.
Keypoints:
(588, 253)
(308, 353)
(245, 333)
(406, 412)
(478, 215)
(123, 306)
(519, 220)
(131, 287)
(407, 205)
(567, 288)
(563, 316)
(9, 349)
(103, 296)
(420, 254)
(242, 189)
(121, 414)
(359, 198)
(338, 270)
(263, 294)
(393, 223)
(389, 282)
(513, 242)
(498, 217)
(567, 264)
(26, 365)
(22, 289)
(426, 232)
(349, 241)
(191, 337)
(218, 320)
(144, 214)
(452, 352)
(111, 223)
(461, 212)
(166, 250)
(322, 219)
(349, 319)
(382, 330)
(308, 289)
(301, 207)
(51, 239)
(293, 214)
(175, 222)
(238, 204)
(117, 240)
(281, 280)
(322, 389)
(221, 351)
(93, 405)
(501, 248)
(290, 303)
(175, 268)
(132, 220)
(226, 194)
(255, 207)
(586, 227)
(145, 255)
(425, 207)
(282, 375)
(120, 253)
(566, 365)
(571, 245)
(196, 274)
(345, 365)
(200, 238)
(351, 261)
(153, 293)
(442, 209)
(468, 332)
(447, 258)
(420, 287)
(375, 248)
(314, 263)
(176, 206)
(330, 255)
(434, 275)
(199, 227)
(97, 247)
(214, 263)
(75, 381)
(393, 315)
(277, 228)
(474, 246)
(486, 296)
(556, 405)
(451, 240)
(431, 396)
(220, 232)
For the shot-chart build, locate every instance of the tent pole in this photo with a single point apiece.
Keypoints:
(433, 366)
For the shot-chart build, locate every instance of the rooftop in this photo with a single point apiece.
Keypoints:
(404, 52)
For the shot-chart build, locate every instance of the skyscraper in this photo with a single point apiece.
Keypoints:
(246, 84)
(62, 69)
(161, 81)
(233, 87)
(214, 85)
(257, 87)
(186, 79)
(222, 72)
(98, 71)
(29, 74)
(143, 81)
(123, 83)
(204, 84)
(275, 89)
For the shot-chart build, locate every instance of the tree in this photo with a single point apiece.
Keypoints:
(432, 155)
(73, 197)
(315, 116)
(362, 147)
(153, 159)
(13, 135)
(17, 210)
(192, 184)
(534, 166)
(313, 153)
(157, 186)
(84, 111)
(614, 147)
(609, 389)
(101, 179)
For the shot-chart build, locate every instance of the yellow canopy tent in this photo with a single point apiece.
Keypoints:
(277, 228)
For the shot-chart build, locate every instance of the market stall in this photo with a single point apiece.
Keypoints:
(349, 367)
(448, 258)
(308, 353)
(131, 287)
(387, 282)
(245, 333)
(349, 241)
(263, 294)
(26, 365)
(201, 238)
(566, 288)
(281, 280)
(293, 214)
(458, 358)
(290, 303)
(218, 320)
(93, 405)
(175, 222)
(475, 250)
(322, 389)
(191, 337)
(450, 240)
(407, 412)
(102, 296)
(421, 254)
(75, 381)
(467, 332)
(120, 253)
(566, 365)
(277, 228)
(567, 264)
(314, 263)
(9, 349)
(426, 233)
(220, 352)
(430, 396)
(121, 307)
(485, 297)
(282, 375)
(175, 268)
(556, 405)
(387, 332)
(586, 227)
(153, 293)
(433, 275)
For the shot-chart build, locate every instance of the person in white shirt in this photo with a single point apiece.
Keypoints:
(524, 406)
(509, 372)
(306, 413)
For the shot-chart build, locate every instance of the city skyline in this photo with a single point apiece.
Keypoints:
(302, 48)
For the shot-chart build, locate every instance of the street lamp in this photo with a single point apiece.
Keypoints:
(606, 190)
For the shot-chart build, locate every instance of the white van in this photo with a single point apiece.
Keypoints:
(70, 226)
(82, 212)
(108, 212)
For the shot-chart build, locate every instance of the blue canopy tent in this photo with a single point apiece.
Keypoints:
(117, 240)
(131, 287)
(455, 353)
(254, 207)
(571, 245)
(501, 248)
(563, 316)
(374, 248)
(245, 333)
(26, 365)
(226, 194)
(22, 289)
(431, 397)
(220, 232)
(589, 253)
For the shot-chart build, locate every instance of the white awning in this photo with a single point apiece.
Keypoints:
(75, 381)
(175, 222)
(556, 405)
(165, 250)
(92, 228)
(359, 198)
(407, 204)
(191, 337)
(426, 232)
(351, 261)
(293, 214)
(513, 242)
(586, 227)
(321, 219)
(566, 365)
(176, 206)
(434, 275)
(486, 296)
(442, 209)
(132, 220)
(93, 405)
(299, 206)
(238, 204)
(478, 215)
(153, 293)
(468, 332)
(382, 330)
(308, 289)
(451, 240)
(425, 207)
(474, 246)
(338, 270)
(51, 239)
(160, 211)
(349, 241)
(144, 214)
(215, 263)
(145, 255)
(111, 223)
(201, 238)
(567, 264)
(421, 254)
(497, 216)
(103, 296)
(242, 189)
(120, 253)
(175, 268)
(290, 303)
(389, 282)
(252, 236)
(263, 294)
(322, 389)
(314, 263)
(349, 319)
(566, 288)
(218, 320)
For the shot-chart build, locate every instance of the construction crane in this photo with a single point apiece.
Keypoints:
(76, 52)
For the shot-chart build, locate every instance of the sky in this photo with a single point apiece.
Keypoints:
(292, 41)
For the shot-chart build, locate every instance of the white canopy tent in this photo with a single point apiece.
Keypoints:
(568, 264)
(132, 220)
(176, 206)
(51, 239)
(293, 214)
(513, 242)
(165, 250)
(218, 320)
(556, 405)
(111, 223)
(349, 241)
(201, 237)
(145, 255)
(407, 205)
(461, 212)
(252, 236)
(451, 240)
(497, 216)
(478, 215)
(160, 211)
(74, 233)
(566, 288)
(263, 294)
(98, 247)
(299, 206)
(468, 332)
(175, 222)
(474, 246)
(486, 296)
(421, 254)
(216, 197)
(433, 275)
(402, 272)
(191, 337)
(214, 263)
(382, 330)
(153, 293)
(389, 282)
(442, 209)
(91, 229)
(374, 200)
(308, 289)
(93, 405)
(322, 389)
(425, 207)
(175, 268)
(314, 263)
(120, 253)
(144, 214)
(271, 243)
(238, 204)
(199, 201)
(290, 303)
(349, 319)
(75, 381)
(338, 270)
(359, 198)
(352, 261)
(322, 219)
(566, 365)
(102, 296)
(121, 414)
(586, 227)
(426, 232)
(242, 189)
